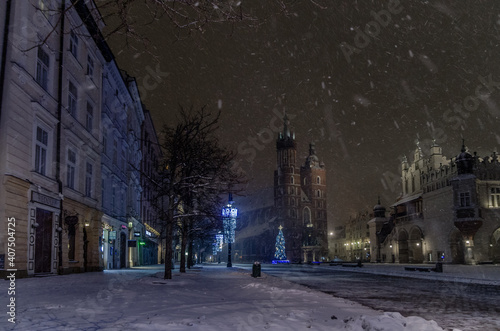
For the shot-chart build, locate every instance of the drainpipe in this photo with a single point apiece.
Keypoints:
(58, 133)
(4, 51)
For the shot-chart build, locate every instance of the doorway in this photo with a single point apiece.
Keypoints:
(123, 250)
(43, 241)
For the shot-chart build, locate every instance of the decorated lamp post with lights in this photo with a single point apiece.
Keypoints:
(229, 214)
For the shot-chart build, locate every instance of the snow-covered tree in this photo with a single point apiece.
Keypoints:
(195, 173)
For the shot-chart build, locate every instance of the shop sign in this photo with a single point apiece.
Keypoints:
(112, 235)
(44, 199)
(132, 243)
(137, 234)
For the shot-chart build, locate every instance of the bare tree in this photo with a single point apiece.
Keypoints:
(195, 174)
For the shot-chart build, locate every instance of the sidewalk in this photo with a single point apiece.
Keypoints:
(205, 298)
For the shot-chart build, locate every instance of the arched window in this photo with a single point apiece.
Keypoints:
(305, 181)
(307, 215)
(318, 193)
(291, 180)
(318, 180)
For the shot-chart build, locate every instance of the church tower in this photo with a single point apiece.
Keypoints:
(287, 192)
(313, 209)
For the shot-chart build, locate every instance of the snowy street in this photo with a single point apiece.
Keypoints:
(209, 297)
(464, 297)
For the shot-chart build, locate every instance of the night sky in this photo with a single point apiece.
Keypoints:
(363, 95)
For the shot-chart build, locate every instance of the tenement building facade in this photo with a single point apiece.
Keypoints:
(449, 211)
(70, 125)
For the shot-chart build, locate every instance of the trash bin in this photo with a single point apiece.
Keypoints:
(439, 267)
(256, 269)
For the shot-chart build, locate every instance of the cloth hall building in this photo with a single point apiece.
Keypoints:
(449, 211)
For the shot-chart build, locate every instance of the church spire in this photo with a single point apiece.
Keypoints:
(286, 131)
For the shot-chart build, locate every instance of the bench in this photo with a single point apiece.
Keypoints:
(359, 264)
(423, 269)
(437, 268)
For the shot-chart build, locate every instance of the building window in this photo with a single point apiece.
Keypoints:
(73, 44)
(44, 7)
(113, 199)
(90, 117)
(465, 199)
(72, 97)
(318, 180)
(42, 68)
(104, 141)
(90, 66)
(42, 139)
(291, 180)
(88, 180)
(71, 166)
(115, 152)
(124, 160)
(495, 197)
(318, 193)
(307, 215)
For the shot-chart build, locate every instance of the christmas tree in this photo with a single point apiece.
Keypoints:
(280, 254)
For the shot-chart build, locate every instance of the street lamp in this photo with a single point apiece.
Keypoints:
(229, 214)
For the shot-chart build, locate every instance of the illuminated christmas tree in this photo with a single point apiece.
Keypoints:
(280, 254)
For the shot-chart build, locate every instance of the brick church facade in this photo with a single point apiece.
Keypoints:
(300, 207)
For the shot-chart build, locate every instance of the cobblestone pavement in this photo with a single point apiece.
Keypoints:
(450, 304)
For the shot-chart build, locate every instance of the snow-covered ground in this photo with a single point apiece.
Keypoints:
(209, 298)
(487, 274)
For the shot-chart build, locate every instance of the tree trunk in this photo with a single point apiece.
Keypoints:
(190, 246)
(168, 243)
(183, 247)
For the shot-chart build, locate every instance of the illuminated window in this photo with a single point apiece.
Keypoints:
(495, 197)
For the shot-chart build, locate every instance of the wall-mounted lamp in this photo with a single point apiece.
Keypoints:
(87, 223)
(59, 229)
(35, 225)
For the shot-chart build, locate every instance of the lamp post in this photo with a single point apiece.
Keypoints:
(229, 214)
